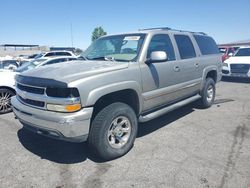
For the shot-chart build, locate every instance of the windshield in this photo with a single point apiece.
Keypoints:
(30, 65)
(243, 52)
(39, 56)
(117, 48)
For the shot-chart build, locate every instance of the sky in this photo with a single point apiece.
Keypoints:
(48, 22)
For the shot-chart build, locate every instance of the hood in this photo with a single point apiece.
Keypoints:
(74, 70)
(239, 59)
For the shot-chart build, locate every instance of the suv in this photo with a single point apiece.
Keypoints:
(238, 65)
(124, 79)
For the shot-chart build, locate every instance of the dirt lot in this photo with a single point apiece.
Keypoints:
(189, 147)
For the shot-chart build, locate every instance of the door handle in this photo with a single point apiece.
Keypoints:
(177, 69)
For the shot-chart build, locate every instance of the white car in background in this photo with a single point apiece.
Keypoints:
(7, 79)
(238, 65)
(55, 54)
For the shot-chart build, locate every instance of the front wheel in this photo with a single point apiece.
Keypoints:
(208, 93)
(113, 131)
(5, 96)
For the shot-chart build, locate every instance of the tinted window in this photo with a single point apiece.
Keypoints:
(243, 52)
(161, 42)
(185, 46)
(71, 59)
(49, 54)
(62, 54)
(55, 61)
(206, 44)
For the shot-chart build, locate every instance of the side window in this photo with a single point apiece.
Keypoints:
(50, 54)
(62, 54)
(71, 59)
(161, 42)
(185, 46)
(55, 61)
(206, 44)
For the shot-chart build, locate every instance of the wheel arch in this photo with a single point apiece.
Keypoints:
(9, 88)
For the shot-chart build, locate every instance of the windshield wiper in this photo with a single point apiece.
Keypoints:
(106, 58)
(81, 57)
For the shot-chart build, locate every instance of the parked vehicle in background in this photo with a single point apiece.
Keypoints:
(227, 51)
(26, 58)
(10, 64)
(7, 79)
(55, 54)
(44, 61)
(127, 78)
(238, 65)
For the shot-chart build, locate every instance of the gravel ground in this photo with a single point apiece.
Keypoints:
(189, 147)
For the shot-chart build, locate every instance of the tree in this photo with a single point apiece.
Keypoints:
(98, 32)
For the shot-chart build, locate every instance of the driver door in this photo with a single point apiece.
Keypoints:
(160, 80)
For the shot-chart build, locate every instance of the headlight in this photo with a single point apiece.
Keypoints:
(62, 92)
(224, 64)
(64, 108)
(69, 99)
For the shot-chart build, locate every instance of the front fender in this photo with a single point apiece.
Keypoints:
(97, 93)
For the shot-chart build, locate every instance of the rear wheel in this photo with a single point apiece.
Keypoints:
(5, 96)
(113, 131)
(208, 93)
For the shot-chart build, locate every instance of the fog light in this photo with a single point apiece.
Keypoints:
(64, 108)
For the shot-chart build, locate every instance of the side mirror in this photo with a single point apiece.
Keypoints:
(158, 56)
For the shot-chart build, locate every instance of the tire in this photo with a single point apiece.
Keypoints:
(5, 96)
(208, 93)
(113, 131)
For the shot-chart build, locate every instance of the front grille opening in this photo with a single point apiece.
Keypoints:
(62, 92)
(225, 71)
(240, 68)
(32, 102)
(30, 89)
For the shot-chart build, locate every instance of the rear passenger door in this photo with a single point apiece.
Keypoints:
(189, 66)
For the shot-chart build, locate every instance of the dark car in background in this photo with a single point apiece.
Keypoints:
(9, 64)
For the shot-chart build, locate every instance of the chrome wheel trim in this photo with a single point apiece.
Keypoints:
(119, 132)
(210, 93)
(5, 104)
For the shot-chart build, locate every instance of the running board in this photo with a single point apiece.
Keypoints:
(167, 109)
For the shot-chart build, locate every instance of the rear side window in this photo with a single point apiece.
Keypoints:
(206, 44)
(55, 61)
(49, 54)
(62, 54)
(161, 42)
(185, 46)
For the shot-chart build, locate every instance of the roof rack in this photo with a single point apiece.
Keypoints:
(168, 28)
(156, 28)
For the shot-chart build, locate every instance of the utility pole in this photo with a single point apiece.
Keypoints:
(71, 32)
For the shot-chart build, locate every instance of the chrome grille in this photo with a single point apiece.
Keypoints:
(30, 89)
(30, 95)
(31, 102)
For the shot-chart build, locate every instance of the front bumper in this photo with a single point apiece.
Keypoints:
(72, 127)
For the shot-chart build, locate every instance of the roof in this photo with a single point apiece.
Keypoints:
(152, 30)
(19, 45)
